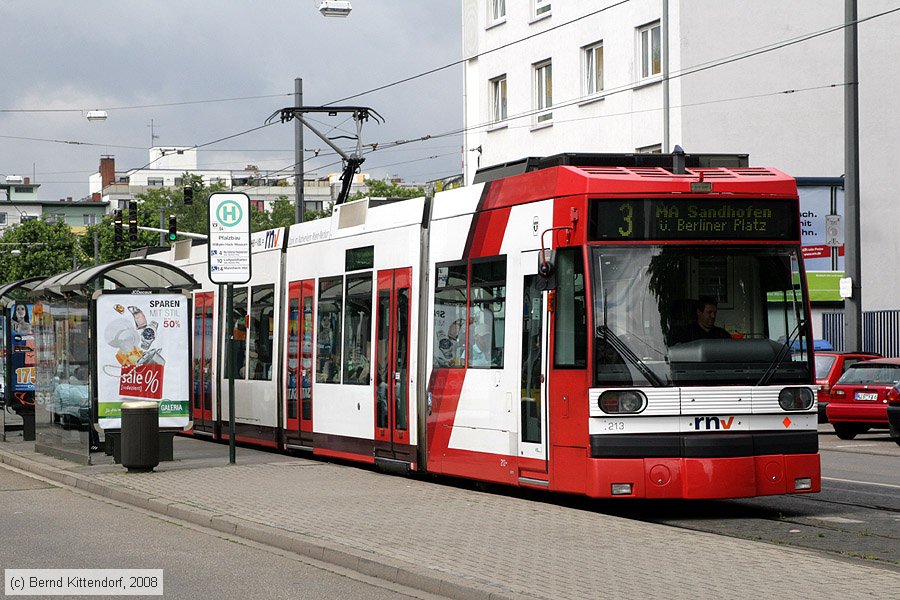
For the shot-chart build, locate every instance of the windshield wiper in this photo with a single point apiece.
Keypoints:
(606, 334)
(782, 353)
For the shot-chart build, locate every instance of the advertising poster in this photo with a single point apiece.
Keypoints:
(143, 354)
(22, 355)
(819, 200)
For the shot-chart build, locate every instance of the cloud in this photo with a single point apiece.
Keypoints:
(123, 55)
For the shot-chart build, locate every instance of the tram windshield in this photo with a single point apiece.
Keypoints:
(698, 315)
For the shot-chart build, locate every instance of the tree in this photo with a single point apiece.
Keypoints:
(283, 213)
(383, 189)
(151, 205)
(45, 249)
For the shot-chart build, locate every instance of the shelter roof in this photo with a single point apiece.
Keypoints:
(131, 273)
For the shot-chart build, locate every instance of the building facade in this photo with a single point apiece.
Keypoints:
(167, 167)
(20, 204)
(764, 78)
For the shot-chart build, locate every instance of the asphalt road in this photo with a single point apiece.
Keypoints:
(856, 515)
(45, 526)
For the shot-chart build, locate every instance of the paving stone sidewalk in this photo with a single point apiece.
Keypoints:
(455, 541)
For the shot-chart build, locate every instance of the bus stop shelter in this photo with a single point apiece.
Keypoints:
(103, 335)
(17, 368)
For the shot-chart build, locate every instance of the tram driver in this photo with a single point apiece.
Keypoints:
(704, 327)
(480, 352)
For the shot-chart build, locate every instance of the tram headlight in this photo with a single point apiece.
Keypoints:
(616, 402)
(795, 398)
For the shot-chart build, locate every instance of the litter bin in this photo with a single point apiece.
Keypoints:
(140, 435)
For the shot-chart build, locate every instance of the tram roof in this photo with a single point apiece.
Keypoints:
(131, 273)
(625, 161)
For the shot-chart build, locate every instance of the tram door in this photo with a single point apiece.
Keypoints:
(201, 397)
(392, 333)
(533, 369)
(299, 361)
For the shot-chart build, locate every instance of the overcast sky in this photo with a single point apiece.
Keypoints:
(62, 58)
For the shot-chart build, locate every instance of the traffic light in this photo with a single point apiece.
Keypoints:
(188, 195)
(132, 222)
(117, 220)
(173, 228)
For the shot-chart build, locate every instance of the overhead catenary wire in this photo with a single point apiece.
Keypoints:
(385, 145)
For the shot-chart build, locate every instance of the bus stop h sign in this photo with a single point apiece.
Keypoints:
(229, 237)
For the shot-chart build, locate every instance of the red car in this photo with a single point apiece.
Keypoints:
(859, 400)
(829, 368)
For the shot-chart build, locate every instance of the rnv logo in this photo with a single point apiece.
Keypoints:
(710, 423)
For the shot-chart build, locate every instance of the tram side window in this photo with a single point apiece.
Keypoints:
(328, 332)
(262, 315)
(487, 313)
(239, 319)
(570, 350)
(450, 285)
(358, 329)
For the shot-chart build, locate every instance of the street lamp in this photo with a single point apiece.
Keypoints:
(335, 8)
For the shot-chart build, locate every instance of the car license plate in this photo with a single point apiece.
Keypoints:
(870, 396)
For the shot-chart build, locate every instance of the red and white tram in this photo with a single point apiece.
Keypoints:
(526, 330)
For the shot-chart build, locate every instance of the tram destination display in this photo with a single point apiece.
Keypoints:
(693, 218)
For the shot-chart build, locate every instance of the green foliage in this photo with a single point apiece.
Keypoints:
(51, 248)
(384, 189)
(45, 250)
(154, 208)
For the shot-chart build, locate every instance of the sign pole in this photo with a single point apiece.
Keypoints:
(230, 263)
(229, 354)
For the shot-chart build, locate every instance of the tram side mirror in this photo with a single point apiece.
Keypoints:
(547, 270)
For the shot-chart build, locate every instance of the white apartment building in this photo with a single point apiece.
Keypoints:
(764, 78)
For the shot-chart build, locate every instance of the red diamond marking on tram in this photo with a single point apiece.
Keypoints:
(787, 422)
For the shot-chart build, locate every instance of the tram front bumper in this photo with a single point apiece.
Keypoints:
(701, 466)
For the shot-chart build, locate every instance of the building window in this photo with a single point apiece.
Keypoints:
(651, 149)
(498, 99)
(487, 313)
(328, 334)
(540, 8)
(23, 190)
(651, 50)
(259, 205)
(497, 11)
(25, 218)
(543, 91)
(2, 218)
(179, 181)
(593, 69)
(358, 330)
(90, 220)
(154, 182)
